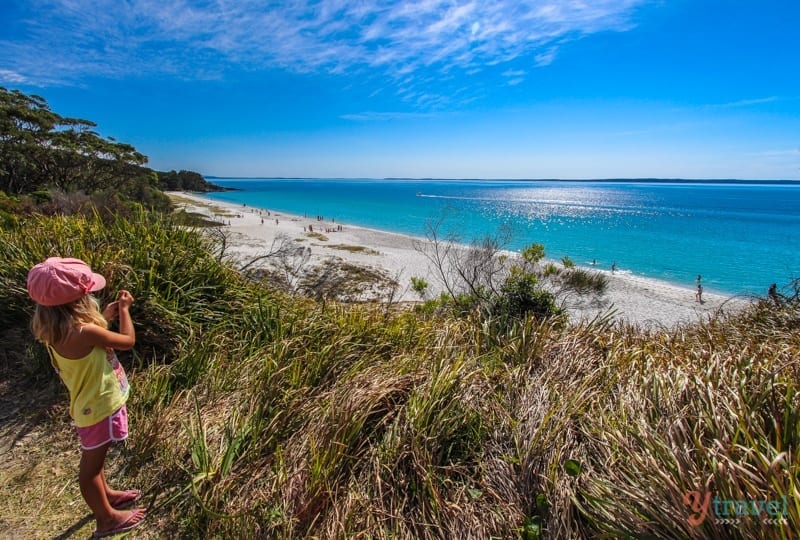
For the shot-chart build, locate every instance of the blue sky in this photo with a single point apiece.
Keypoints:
(426, 88)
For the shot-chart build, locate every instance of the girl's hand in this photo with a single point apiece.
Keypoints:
(111, 311)
(124, 299)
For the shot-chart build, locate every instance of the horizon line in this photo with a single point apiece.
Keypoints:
(621, 179)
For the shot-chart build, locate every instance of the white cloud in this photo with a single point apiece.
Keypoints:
(476, 26)
(514, 76)
(545, 58)
(744, 103)
(370, 116)
(73, 39)
(12, 77)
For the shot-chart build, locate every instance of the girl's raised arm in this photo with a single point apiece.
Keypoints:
(122, 340)
(100, 337)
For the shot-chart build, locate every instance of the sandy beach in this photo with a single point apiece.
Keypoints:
(252, 232)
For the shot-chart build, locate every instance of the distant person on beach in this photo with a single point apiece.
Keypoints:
(613, 267)
(699, 294)
(772, 293)
(68, 321)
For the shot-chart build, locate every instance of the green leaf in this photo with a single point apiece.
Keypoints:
(572, 467)
(474, 493)
(531, 528)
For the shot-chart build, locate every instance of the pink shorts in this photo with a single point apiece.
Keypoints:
(110, 429)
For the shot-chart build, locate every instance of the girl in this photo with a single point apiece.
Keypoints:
(69, 322)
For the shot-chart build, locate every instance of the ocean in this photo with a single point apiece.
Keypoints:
(740, 237)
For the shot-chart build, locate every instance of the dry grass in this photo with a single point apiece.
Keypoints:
(260, 415)
(183, 202)
(354, 249)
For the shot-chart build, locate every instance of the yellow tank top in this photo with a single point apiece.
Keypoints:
(97, 384)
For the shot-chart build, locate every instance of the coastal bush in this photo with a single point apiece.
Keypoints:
(419, 286)
(9, 208)
(520, 297)
(550, 270)
(583, 281)
(275, 416)
(184, 181)
(482, 278)
(168, 269)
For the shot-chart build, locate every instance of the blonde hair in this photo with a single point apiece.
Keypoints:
(51, 324)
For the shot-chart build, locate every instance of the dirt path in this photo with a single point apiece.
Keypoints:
(39, 456)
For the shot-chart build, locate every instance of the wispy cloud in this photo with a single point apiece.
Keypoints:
(744, 103)
(514, 76)
(11, 77)
(546, 58)
(370, 116)
(74, 39)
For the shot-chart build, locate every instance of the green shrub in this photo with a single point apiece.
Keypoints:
(551, 269)
(522, 296)
(419, 286)
(584, 281)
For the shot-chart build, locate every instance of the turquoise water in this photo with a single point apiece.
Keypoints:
(739, 236)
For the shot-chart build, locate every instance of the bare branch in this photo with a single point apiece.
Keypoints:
(437, 250)
(282, 247)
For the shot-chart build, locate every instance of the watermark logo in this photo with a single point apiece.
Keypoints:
(732, 511)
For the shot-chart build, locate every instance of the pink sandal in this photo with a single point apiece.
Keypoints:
(125, 500)
(134, 520)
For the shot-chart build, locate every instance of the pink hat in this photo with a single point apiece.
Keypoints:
(59, 281)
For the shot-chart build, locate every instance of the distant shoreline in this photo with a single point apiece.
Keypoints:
(722, 181)
(670, 232)
(638, 300)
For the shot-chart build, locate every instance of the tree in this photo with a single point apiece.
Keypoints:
(41, 149)
(185, 181)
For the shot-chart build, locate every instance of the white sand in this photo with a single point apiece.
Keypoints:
(635, 299)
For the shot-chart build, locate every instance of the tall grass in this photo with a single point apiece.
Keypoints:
(177, 283)
(261, 415)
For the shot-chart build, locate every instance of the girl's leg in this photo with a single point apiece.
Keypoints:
(93, 488)
(111, 494)
(119, 499)
(92, 482)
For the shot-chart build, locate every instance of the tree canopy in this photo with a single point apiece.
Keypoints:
(41, 149)
(184, 181)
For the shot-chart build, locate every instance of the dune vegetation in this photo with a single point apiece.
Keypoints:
(256, 414)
